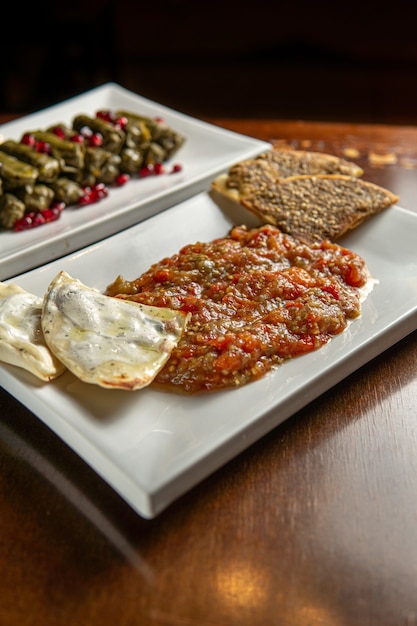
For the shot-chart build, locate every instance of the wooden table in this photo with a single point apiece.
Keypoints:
(314, 525)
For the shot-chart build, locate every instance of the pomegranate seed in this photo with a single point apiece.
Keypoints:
(177, 167)
(160, 120)
(43, 146)
(122, 179)
(107, 116)
(28, 139)
(158, 169)
(121, 122)
(147, 170)
(33, 218)
(96, 140)
(100, 190)
(24, 223)
(87, 198)
(59, 205)
(77, 138)
(39, 219)
(93, 194)
(51, 214)
(59, 132)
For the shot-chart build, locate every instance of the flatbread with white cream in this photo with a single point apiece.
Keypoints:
(21, 339)
(107, 341)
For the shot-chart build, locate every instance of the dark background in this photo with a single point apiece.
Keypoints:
(220, 58)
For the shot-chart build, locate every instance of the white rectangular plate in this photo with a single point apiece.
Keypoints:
(152, 446)
(207, 151)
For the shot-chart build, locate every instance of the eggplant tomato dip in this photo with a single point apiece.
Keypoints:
(256, 297)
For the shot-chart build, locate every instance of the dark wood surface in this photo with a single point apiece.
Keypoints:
(313, 525)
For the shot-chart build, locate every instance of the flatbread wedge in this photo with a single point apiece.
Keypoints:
(113, 343)
(21, 339)
(314, 208)
(308, 163)
(277, 164)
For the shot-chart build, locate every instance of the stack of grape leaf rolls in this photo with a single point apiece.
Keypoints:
(61, 163)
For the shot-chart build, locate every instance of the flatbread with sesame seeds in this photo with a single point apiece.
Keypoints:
(289, 162)
(277, 164)
(314, 208)
(309, 195)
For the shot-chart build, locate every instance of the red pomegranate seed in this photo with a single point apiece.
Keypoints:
(77, 138)
(100, 190)
(177, 167)
(51, 214)
(122, 179)
(146, 170)
(24, 223)
(39, 219)
(87, 198)
(160, 120)
(158, 169)
(106, 115)
(28, 139)
(59, 205)
(93, 194)
(43, 146)
(121, 122)
(59, 132)
(29, 220)
(96, 140)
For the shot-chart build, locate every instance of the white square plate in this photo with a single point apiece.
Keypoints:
(151, 446)
(207, 151)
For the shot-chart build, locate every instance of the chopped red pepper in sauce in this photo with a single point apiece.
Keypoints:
(256, 298)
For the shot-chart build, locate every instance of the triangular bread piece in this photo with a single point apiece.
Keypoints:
(110, 342)
(274, 165)
(245, 178)
(308, 163)
(21, 339)
(314, 208)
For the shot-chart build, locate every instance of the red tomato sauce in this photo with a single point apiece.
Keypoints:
(256, 297)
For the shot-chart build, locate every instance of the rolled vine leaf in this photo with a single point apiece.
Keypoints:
(48, 167)
(67, 190)
(160, 132)
(16, 173)
(100, 166)
(70, 152)
(11, 210)
(113, 137)
(37, 197)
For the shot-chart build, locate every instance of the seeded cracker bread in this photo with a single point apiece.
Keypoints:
(304, 163)
(314, 208)
(310, 195)
(277, 164)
